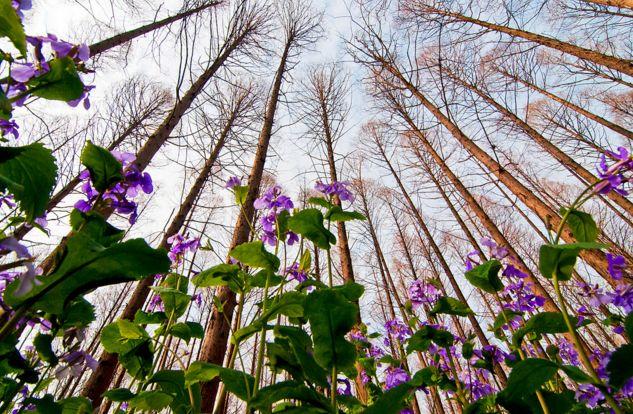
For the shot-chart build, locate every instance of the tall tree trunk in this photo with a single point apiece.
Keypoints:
(594, 258)
(436, 250)
(101, 377)
(568, 162)
(615, 63)
(121, 38)
(214, 344)
(596, 118)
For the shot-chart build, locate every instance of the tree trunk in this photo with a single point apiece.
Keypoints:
(598, 119)
(615, 63)
(101, 377)
(568, 162)
(594, 258)
(214, 344)
(121, 38)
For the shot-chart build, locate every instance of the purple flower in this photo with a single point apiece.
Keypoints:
(617, 265)
(356, 335)
(337, 188)
(22, 72)
(398, 329)
(83, 52)
(292, 238)
(469, 262)
(622, 296)
(180, 245)
(395, 377)
(567, 352)
(76, 362)
(496, 251)
(375, 352)
(85, 97)
(232, 182)
(595, 294)
(274, 200)
(7, 200)
(346, 388)
(155, 303)
(9, 127)
(406, 411)
(589, 394)
(197, 299)
(422, 292)
(294, 273)
(613, 177)
(364, 378)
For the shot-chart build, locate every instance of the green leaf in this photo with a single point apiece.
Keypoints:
(421, 339)
(331, 317)
(240, 191)
(450, 306)
(172, 382)
(306, 261)
(44, 346)
(175, 302)
(187, 330)
(144, 318)
(79, 313)
(60, 83)
(486, 276)
(320, 201)
(352, 291)
(254, 254)
(560, 259)
(263, 276)
(119, 394)
(298, 343)
(96, 227)
(336, 213)
(527, 377)
(220, 275)
(628, 324)
(290, 304)
(582, 225)
(11, 26)
(87, 265)
(309, 224)
(619, 367)
(104, 169)
(29, 173)
(151, 401)
(236, 382)
(287, 390)
(76, 405)
(133, 345)
(543, 323)
(484, 405)
(391, 401)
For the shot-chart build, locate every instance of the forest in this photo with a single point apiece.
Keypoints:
(316, 206)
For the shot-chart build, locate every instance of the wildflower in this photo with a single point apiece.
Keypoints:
(7, 200)
(398, 329)
(337, 188)
(596, 294)
(616, 265)
(496, 251)
(567, 352)
(375, 352)
(179, 245)
(294, 273)
(346, 388)
(23, 72)
(422, 292)
(292, 238)
(197, 299)
(76, 363)
(364, 378)
(9, 127)
(395, 377)
(622, 296)
(356, 335)
(469, 262)
(613, 177)
(232, 182)
(274, 202)
(85, 97)
(155, 303)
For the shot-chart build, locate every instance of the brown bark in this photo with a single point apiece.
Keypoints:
(628, 4)
(590, 115)
(217, 332)
(101, 377)
(568, 162)
(122, 38)
(594, 258)
(437, 251)
(622, 65)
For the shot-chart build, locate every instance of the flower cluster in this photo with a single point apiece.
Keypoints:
(295, 273)
(272, 203)
(179, 245)
(21, 73)
(398, 329)
(422, 292)
(337, 188)
(27, 279)
(395, 376)
(612, 177)
(120, 196)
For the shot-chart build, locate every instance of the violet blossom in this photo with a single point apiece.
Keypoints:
(294, 273)
(398, 329)
(179, 245)
(337, 188)
(616, 266)
(423, 292)
(395, 376)
(76, 363)
(233, 182)
(613, 178)
(346, 388)
(273, 203)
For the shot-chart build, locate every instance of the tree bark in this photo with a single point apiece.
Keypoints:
(121, 38)
(217, 332)
(615, 63)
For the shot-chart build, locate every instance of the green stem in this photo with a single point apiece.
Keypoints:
(333, 389)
